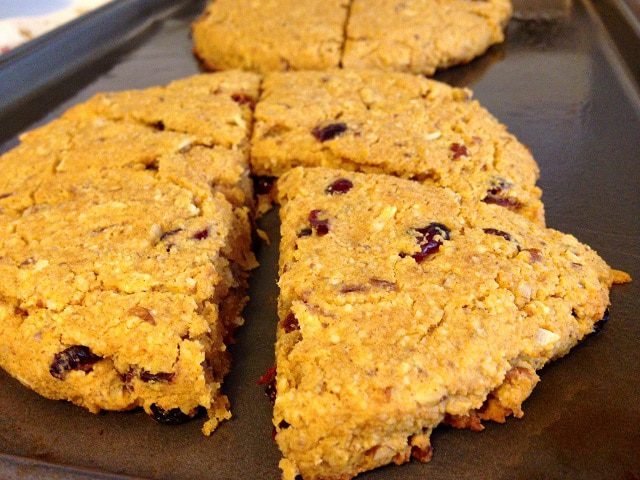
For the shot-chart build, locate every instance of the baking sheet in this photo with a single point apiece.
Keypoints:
(563, 88)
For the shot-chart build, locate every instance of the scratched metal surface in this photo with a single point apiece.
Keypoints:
(562, 89)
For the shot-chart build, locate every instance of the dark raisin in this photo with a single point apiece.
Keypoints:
(269, 382)
(243, 99)
(264, 185)
(283, 424)
(169, 233)
(290, 323)
(329, 132)
(201, 234)
(159, 125)
(340, 186)
(458, 150)
(152, 166)
(499, 233)
(305, 232)
(77, 357)
(173, 416)
(321, 226)
(429, 239)
(149, 377)
(600, 323)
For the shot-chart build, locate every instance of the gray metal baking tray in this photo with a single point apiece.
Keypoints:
(565, 82)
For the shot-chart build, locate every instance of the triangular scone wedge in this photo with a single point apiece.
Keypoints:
(400, 305)
(125, 246)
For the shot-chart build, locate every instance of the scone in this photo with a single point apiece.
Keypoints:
(125, 249)
(421, 36)
(394, 123)
(266, 35)
(404, 305)
(416, 36)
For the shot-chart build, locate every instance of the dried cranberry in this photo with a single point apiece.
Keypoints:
(427, 240)
(201, 234)
(170, 233)
(264, 185)
(340, 186)
(321, 226)
(600, 323)
(499, 233)
(499, 185)
(290, 323)
(242, 98)
(173, 416)
(502, 201)
(459, 150)
(305, 232)
(329, 132)
(149, 377)
(269, 382)
(77, 357)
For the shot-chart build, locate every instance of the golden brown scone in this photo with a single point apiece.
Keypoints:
(266, 35)
(404, 305)
(421, 36)
(394, 123)
(125, 249)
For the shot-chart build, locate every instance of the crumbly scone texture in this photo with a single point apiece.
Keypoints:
(421, 36)
(125, 247)
(267, 35)
(394, 123)
(403, 305)
(416, 36)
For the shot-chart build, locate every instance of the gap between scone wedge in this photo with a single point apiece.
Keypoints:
(403, 306)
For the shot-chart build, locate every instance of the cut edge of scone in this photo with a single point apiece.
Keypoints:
(543, 339)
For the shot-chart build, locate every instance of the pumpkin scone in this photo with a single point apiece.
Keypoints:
(421, 36)
(125, 251)
(394, 123)
(266, 35)
(403, 305)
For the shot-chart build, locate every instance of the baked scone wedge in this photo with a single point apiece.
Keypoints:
(125, 249)
(394, 123)
(420, 36)
(266, 35)
(402, 305)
